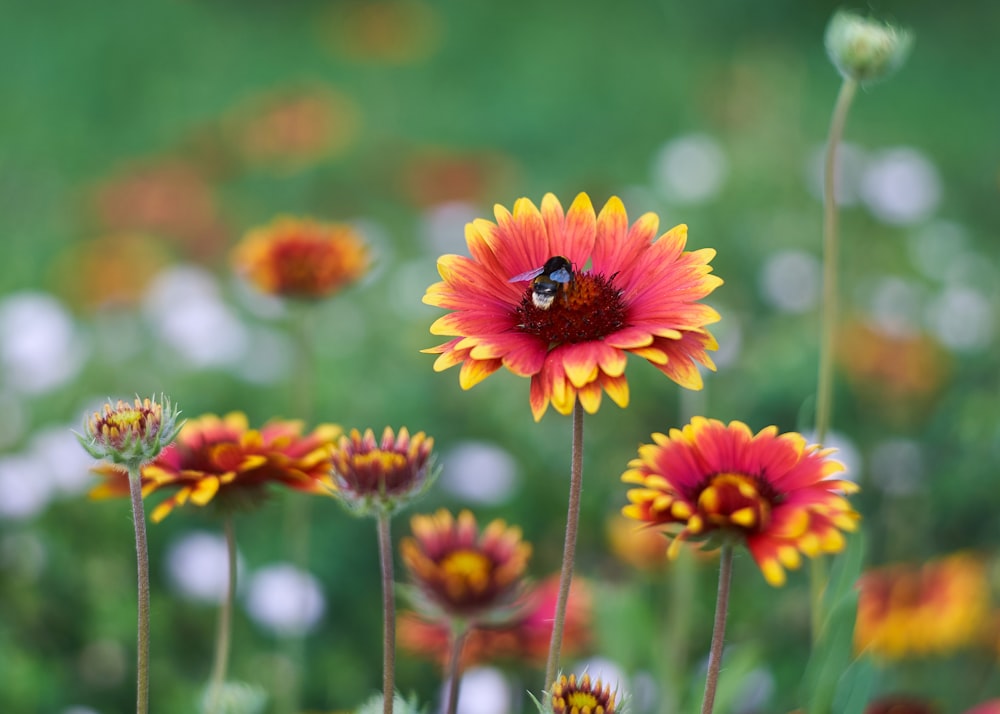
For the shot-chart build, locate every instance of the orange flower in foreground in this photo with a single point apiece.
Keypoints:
(768, 490)
(572, 696)
(524, 638)
(628, 292)
(223, 459)
(936, 608)
(460, 571)
(301, 258)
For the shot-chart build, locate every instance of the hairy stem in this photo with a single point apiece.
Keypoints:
(388, 613)
(142, 563)
(718, 628)
(223, 634)
(569, 547)
(454, 667)
(828, 318)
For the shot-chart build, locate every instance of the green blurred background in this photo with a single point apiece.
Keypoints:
(139, 141)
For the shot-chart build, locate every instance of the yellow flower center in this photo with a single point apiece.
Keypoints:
(387, 460)
(584, 702)
(735, 501)
(467, 568)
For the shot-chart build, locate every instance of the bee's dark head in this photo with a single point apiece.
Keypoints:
(556, 262)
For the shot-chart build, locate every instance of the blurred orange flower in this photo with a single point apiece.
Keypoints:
(224, 460)
(434, 176)
(302, 258)
(640, 295)
(294, 128)
(462, 572)
(768, 490)
(384, 31)
(170, 199)
(524, 639)
(112, 271)
(932, 609)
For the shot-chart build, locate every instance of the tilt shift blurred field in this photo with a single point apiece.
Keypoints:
(140, 143)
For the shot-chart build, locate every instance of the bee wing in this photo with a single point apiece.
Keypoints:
(563, 275)
(529, 275)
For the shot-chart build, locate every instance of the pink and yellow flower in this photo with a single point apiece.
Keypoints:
(935, 608)
(461, 571)
(385, 473)
(302, 258)
(224, 459)
(630, 293)
(768, 490)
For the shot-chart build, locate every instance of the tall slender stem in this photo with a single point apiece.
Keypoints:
(718, 628)
(223, 635)
(569, 547)
(388, 613)
(828, 318)
(454, 667)
(142, 567)
(297, 510)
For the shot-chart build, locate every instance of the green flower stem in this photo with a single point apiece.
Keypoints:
(297, 510)
(388, 613)
(454, 666)
(142, 561)
(569, 547)
(718, 628)
(223, 636)
(828, 318)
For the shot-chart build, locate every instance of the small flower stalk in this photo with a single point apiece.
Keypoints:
(377, 478)
(864, 49)
(132, 435)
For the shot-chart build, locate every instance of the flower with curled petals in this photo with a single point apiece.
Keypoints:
(222, 459)
(383, 474)
(130, 434)
(460, 571)
(301, 258)
(630, 292)
(768, 490)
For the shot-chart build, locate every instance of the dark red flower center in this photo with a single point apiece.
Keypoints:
(732, 500)
(590, 307)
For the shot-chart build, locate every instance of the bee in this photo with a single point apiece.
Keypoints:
(547, 281)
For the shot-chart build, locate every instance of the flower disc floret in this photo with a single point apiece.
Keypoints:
(461, 571)
(130, 434)
(630, 292)
(768, 490)
(383, 474)
(222, 459)
(302, 258)
(572, 696)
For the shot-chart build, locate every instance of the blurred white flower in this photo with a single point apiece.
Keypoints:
(198, 566)
(483, 690)
(791, 281)
(851, 164)
(186, 311)
(901, 187)
(934, 247)
(24, 489)
(897, 466)
(896, 306)
(690, 169)
(479, 472)
(962, 319)
(40, 347)
(285, 600)
(64, 464)
(79, 710)
(755, 692)
(443, 226)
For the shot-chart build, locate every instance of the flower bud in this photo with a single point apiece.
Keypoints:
(865, 49)
(130, 434)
